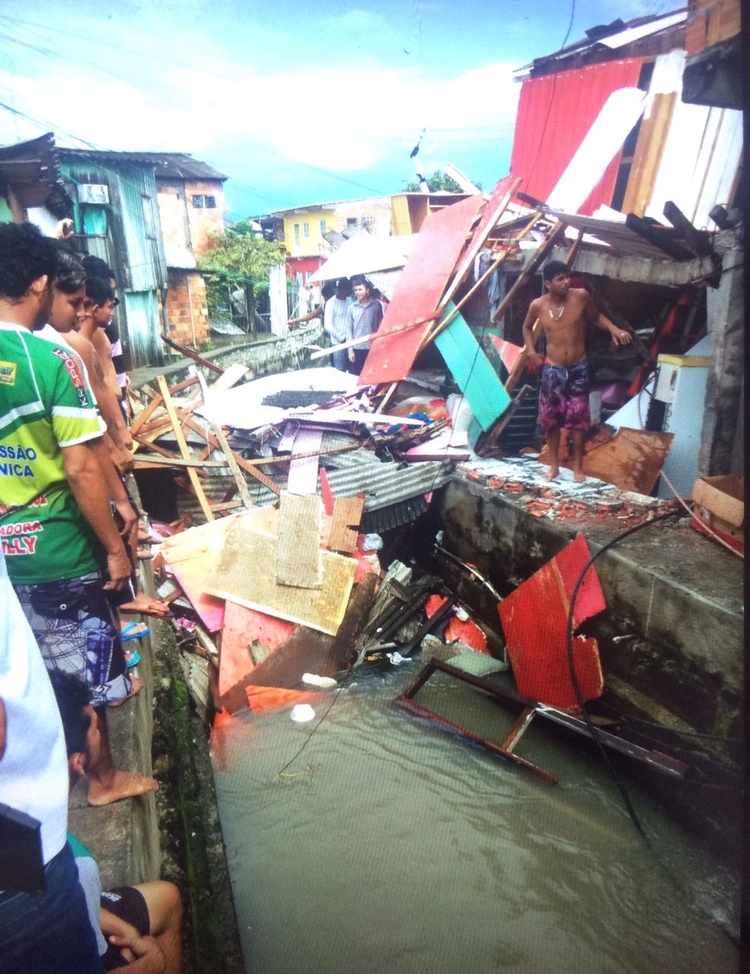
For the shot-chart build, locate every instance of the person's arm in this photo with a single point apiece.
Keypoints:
(108, 405)
(148, 957)
(118, 494)
(316, 313)
(103, 348)
(600, 321)
(90, 491)
(534, 358)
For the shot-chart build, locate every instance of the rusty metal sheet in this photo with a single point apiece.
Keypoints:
(535, 623)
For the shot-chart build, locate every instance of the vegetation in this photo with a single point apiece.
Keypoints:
(238, 258)
(437, 182)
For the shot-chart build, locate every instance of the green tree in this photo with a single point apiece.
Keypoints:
(437, 182)
(237, 257)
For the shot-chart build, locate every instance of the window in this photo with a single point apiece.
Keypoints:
(305, 230)
(351, 222)
(201, 202)
(148, 216)
(322, 228)
(296, 233)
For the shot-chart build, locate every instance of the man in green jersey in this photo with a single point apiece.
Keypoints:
(56, 526)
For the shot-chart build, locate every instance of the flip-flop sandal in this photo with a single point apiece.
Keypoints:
(134, 635)
(132, 659)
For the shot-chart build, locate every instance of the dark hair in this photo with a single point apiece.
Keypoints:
(361, 279)
(70, 273)
(96, 267)
(99, 291)
(328, 290)
(25, 256)
(72, 697)
(554, 268)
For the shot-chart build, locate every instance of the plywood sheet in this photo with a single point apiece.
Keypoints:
(298, 554)
(630, 459)
(535, 624)
(347, 513)
(471, 369)
(189, 556)
(419, 290)
(245, 575)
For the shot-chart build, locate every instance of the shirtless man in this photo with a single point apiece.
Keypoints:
(563, 313)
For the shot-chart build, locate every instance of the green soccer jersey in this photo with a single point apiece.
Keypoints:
(45, 405)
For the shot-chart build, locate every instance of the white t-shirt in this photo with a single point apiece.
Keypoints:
(34, 768)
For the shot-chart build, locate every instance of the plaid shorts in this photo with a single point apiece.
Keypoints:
(77, 633)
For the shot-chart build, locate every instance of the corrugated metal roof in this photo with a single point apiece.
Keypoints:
(32, 169)
(611, 36)
(383, 483)
(167, 165)
(616, 236)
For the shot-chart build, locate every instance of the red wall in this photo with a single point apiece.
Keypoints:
(554, 114)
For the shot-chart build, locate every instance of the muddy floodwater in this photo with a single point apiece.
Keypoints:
(391, 846)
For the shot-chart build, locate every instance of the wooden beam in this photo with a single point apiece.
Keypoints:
(183, 350)
(181, 442)
(232, 463)
(530, 268)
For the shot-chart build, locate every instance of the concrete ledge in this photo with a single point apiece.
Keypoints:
(677, 595)
(124, 836)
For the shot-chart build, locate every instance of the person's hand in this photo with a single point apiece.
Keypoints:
(118, 568)
(621, 337)
(129, 529)
(146, 953)
(64, 229)
(351, 355)
(122, 459)
(534, 360)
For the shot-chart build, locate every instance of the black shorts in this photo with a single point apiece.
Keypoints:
(127, 903)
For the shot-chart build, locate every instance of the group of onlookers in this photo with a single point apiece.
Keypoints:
(69, 534)
(351, 310)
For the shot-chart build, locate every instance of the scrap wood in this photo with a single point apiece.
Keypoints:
(298, 552)
(347, 515)
(630, 459)
(237, 577)
(530, 268)
(229, 377)
(419, 290)
(179, 435)
(233, 466)
(535, 624)
(493, 210)
(183, 350)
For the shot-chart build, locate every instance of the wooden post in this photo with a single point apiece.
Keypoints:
(180, 437)
(530, 268)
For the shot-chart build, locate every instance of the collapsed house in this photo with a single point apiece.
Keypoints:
(301, 479)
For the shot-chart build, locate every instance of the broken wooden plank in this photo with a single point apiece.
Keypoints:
(183, 350)
(530, 268)
(194, 425)
(230, 377)
(347, 514)
(231, 462)
(298, 553)
(628, 458)
(181, 442)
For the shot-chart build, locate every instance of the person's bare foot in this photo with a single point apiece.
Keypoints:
(123, 784)
(579, 476)
(137, 686)
(551, 473)
(149, 607)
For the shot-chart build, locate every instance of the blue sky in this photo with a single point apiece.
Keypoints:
(295, 102)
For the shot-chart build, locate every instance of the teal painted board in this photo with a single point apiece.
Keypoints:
(471, 369)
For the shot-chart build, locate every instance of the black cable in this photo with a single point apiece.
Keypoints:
(574, 679)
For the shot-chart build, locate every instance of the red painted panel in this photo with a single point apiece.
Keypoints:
(419, 290)
(242, 627)
(554, 114)
(535, 623)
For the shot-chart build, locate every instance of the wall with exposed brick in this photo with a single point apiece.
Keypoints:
(187, 311)
(203, 221)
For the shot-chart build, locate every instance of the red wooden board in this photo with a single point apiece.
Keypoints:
(419, 290)
(242, 627)
(535, 623)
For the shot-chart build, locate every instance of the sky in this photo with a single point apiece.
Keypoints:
(295, 102)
